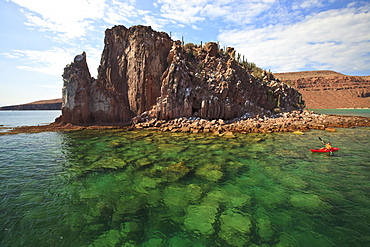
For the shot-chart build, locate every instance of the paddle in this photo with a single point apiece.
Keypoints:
(331, 152)
(321, 140)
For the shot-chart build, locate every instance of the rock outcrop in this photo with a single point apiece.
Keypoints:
(128, 81)
(329, 89)
(144, 75)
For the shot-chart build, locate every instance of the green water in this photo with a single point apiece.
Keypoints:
(346, 112)
(118, 188)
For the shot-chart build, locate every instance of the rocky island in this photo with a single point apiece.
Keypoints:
(147, 80)
(144, 74)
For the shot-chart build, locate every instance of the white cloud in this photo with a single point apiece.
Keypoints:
(155, 22)
(12, 55)
(307, 4)
(68, 18)
(274, 34)
(120, 12)
(337, 39)
(190, 12)
(184, 11)
(52, 62)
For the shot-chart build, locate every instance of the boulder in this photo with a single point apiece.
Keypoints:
(235, 228)
(211, 48)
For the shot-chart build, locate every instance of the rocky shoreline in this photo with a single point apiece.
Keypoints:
(296, 121)
(284, 122)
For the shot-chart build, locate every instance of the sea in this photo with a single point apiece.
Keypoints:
(362, 112)
(147, 188)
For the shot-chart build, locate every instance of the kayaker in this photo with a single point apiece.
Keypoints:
(328, 146)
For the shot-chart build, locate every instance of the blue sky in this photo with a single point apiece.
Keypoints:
(38, 38)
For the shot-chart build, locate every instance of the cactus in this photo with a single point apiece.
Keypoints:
(301, 102)
(182, 43)
(278, 102)
(270, 95)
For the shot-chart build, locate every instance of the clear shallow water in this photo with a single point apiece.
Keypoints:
(10, 119)
(345, 112)
(117, 188)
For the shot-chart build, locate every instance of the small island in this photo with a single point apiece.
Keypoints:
(147, 80)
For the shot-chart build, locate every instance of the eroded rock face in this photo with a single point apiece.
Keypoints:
(132, 64)
(128, 83)
(144, 72)
(217, 87)
(84, 101)
(76, 96)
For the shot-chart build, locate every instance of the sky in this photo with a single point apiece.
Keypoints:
(38, 38)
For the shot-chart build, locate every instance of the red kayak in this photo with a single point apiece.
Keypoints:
(324, 150)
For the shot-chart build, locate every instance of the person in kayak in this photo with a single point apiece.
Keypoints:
(328, 146)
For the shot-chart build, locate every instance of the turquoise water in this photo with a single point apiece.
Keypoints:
(345, 112)
(10, 119)
(122, 188)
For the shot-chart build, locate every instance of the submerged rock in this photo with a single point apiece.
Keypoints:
(174, 196)
(110, 238)
(109, 163)
(154, 242)
(309, 202)
(210, 172)
(200, 218)
(178, 241)
(235, 228)
(264, 229)
(175, 171)
(229, 196)
(194, 193)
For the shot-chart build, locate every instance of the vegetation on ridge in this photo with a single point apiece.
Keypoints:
(192, 50)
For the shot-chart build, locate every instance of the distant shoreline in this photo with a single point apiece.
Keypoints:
(53, 104)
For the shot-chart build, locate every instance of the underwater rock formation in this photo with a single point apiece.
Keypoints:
(200, 218)
(145, 74)
(235, 228)
(210, 172)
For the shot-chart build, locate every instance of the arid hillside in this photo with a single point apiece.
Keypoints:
(329, 89)
(53, 104)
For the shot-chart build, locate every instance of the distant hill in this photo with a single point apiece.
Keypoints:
(327, 89)
(53, 104)
(305, 74)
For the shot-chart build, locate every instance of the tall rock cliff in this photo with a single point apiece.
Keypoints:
(144, 73)
(132, 64)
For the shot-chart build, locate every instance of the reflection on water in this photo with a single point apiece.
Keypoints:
(118, 188)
